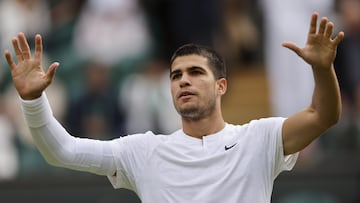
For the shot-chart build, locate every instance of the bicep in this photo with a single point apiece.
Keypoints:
(300, 129)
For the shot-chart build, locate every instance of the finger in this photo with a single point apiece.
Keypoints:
(322, 26)
(329, 29)
(38, 48)
(51, 71)
(9, 60)
(313, 23)
(292, 46)
(25, 49)
(17, 50)
(339, 37)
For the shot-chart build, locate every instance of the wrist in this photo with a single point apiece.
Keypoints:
(37, 112)
(324, 69)
(30, 97)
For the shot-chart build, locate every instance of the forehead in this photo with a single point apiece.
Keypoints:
(183, 62)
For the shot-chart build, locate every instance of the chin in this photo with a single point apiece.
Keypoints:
(189, 111)
(193, 113)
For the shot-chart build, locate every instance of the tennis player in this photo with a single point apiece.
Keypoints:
(208, 160)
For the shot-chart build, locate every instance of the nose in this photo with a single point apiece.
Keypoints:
(185, 80)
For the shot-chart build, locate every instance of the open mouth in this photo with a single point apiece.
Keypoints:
(185, 94)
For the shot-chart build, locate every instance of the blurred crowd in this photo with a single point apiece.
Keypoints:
(113, 54)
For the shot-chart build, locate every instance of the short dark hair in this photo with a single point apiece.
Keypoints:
(215, 60)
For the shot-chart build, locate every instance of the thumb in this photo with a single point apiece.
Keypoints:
(292, 46)
(51, 71)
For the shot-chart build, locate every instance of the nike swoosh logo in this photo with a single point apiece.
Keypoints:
(229, 147)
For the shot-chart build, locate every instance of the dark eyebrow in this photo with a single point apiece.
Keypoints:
(174, 72)
(192, 68)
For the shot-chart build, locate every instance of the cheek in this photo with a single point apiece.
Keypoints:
(173, 91)
(207, 89)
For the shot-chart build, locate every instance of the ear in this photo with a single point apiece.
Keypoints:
(221, 86)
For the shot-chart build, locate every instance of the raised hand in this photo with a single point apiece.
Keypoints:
(28, 76)
(320, 48)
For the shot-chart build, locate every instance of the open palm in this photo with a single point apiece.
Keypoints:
(28, 76)
(320, 48)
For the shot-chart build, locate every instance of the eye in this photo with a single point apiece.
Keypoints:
(175, 76)
(196, 72)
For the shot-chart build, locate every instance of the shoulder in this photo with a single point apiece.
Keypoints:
(269, 122)
(259, 128)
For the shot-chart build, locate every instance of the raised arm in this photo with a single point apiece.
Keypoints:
(57, 146)
(300, 129)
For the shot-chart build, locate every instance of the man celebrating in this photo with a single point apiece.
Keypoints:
(208, 160)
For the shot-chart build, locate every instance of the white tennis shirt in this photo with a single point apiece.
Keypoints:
(237, 164)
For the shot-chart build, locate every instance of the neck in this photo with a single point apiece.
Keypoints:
(203, 127)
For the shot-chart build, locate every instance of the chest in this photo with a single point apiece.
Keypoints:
(225, 163)
(203, 173)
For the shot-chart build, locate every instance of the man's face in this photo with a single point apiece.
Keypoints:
(193, 87)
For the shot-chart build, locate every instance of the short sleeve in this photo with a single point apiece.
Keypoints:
(282, 162)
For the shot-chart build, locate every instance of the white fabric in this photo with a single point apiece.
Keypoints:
(59, 148)
(176, 167)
